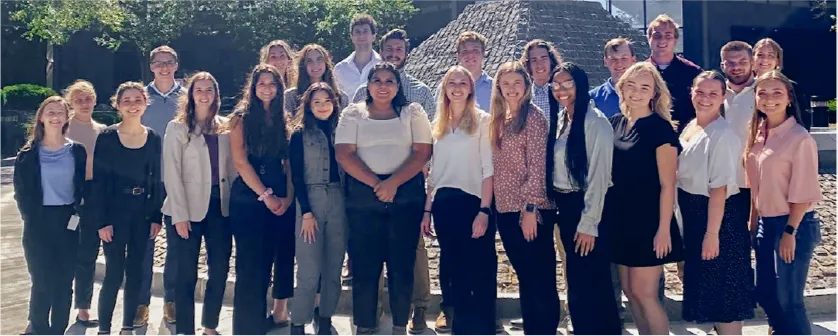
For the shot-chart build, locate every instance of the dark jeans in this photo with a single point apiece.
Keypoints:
(255, 231)
(780, 285)
(593, 308)
(88, 251)
(535, 264)
(283, 256)
(383, 233)
(50, 251)
(170, 270)
(124, 257)
(215, 231)
(472, 263)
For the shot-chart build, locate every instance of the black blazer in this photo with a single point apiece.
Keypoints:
(27, 180)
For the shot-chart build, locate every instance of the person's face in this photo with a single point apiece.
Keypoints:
(278, 58)
(470, 55)
(539, 59)
(203, 91)
(765, 59)
(132, 104)
(512, 87)
(362, 37)
(662, 40)
(383, 86)
(737, 67)
(638, 90)
(163, 65)
(772, 98)
(315, 65)
(563, 88)
(707, 98)
(266, 88)
(618, 61)
(458, 88)
(82, 103)
(321, 105)
(54, 116)
(394, 51)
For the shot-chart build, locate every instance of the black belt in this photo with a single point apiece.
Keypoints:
(135, 191)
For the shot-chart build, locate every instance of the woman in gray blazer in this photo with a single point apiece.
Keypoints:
(197, 174)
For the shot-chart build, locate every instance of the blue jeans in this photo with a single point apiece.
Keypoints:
(169, 269)
(780, 285)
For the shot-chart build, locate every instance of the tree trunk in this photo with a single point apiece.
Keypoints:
(145, 70)
(50, 63)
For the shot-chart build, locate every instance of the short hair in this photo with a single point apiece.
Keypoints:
(395, 34)
(552, 52)
(663, 19)
(471, 36)
(736, 46)
(613, 44)
(163, 49)
(363, 19)
(774, 45)
(80, 85)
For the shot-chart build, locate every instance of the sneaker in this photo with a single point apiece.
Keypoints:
(297, 330)
(169, 313)
(141, 317)
(517, 324)
(443, 323)
(499, 329)
(417, 324)
(324, 325)
(346, 273)
(399, 330)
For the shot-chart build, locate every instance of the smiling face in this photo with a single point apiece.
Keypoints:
(132, 104)
(362, 37)
(662, 39)
(458, 88)
(279, 58)
(765, 59)
(383, 86)
(266, 89)
(563, 88)
(772, 98)
(618, 61)
(470, 55)
(707, 97)
(54, 116)
(539, 60)
(315, 65)
(394, 51)
(83, 103)
(513, 88)
(203, 92)
(164, 65)
(638, 90)
(321, 105)
(737, 67)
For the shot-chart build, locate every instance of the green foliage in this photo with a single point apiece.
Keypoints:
(25, 96)
(56, 21)
(831, 106)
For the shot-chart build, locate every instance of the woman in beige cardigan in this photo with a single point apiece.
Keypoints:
(197, 174)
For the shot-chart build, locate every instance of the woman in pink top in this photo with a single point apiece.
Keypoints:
(518, 134)
(782, 172)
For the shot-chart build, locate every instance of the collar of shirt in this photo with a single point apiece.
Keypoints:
(484, 78)
(349, 60)
(609, 85)
(731, 93)
(175, 88)
(782, 129)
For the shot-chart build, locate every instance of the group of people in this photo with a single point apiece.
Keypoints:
(662, 163)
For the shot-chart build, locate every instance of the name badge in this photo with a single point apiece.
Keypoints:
(74, 223)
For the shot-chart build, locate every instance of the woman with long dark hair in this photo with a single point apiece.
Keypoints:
(260, 199)
(781, 161)
(580, 143)
(321, 214)
(314, 65)
(128, 194)
(280, 54)
(518, 133)
(198, 166)
(49, 179)
(383, 143)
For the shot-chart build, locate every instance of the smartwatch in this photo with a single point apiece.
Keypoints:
(486, 211)
(530, 208)
(790, 230)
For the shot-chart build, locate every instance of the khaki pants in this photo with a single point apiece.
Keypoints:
(560, 247)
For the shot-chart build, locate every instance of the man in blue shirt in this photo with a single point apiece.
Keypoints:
(471, 50)
(618, 56)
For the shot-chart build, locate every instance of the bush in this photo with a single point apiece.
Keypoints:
(830, 106)
(25, 96)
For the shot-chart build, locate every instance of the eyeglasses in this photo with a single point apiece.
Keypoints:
(567, 85)
(163, 64)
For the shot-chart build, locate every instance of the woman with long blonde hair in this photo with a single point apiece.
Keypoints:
(459, 199)
(640, 205)
(280, 54)
(525, 216)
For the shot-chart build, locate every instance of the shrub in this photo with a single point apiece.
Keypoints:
(830, 106)
(25, 96)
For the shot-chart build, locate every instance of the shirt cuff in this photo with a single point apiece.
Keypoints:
(588, 227)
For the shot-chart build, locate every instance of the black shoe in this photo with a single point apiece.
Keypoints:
(297, 329)
(87, 323)
(366, 331)
(324, 325)
(272, 324)
(517, 324)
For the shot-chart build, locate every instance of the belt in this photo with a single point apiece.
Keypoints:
(564, 191)
(135, 191)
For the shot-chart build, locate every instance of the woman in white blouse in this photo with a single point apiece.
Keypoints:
(718, 279)
(580, 143)
(460, 194)
(383, 143)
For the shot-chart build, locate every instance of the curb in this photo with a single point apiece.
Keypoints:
(818, 302)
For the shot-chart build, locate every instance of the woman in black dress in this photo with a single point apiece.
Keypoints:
(260, 198)
(718, 279)
(640, 205)
(128, 195)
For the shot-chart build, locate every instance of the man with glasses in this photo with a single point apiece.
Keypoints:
(164, 93)
(618, 56)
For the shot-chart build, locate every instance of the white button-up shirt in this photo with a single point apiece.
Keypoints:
(739, 109)
(349, 76)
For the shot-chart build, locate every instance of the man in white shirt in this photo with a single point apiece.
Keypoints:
(737, 65)
(352, 71)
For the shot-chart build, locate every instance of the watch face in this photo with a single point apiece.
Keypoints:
(530, 207)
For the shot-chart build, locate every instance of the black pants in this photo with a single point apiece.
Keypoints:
(593, 307)
(215, 231)
(383, 233)
(472, 263)
(50, 251)
(88, 251)
(123, 261)
(255, 230)
(535, 264)
(283, 256)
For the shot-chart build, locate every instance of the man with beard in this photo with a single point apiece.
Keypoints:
(618, 55)
(677, 71)
(394, 48)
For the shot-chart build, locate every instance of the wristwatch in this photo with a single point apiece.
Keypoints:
(529, 208)
(486, 211)
(790, 230)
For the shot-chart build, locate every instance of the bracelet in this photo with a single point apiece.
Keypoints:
(265, 194)
(713, 233)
